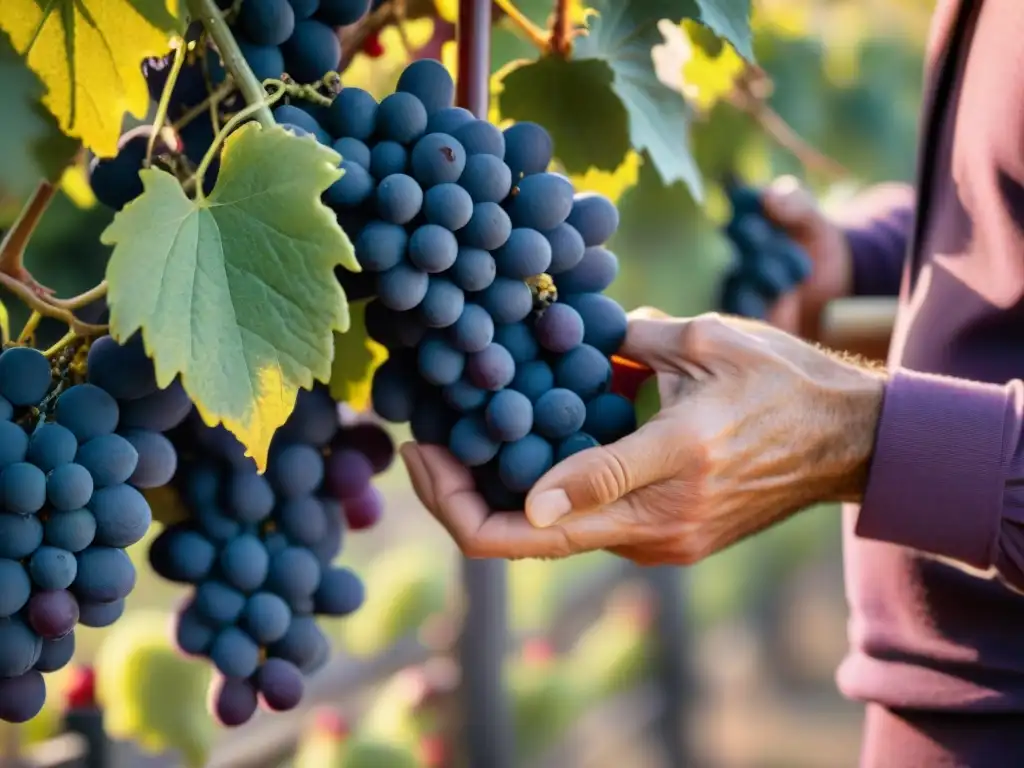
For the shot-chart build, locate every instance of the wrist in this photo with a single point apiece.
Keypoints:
(850, 406)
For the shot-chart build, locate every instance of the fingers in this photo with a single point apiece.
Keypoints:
(598, 477)
(790, 204)
(656, 341)
(447, 490)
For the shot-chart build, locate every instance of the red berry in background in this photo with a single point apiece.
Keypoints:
(538, 652)
(372, 46)
(330, 722)
(81, 690)
(433, 751)
(627, 376)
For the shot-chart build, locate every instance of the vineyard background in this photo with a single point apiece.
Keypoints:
(763, 624)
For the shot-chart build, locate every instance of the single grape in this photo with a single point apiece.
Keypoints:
(340, 592)
(371, 440)
(580, 441)
(109, 460)
(567, 248)
(443, 304)
(294, 574)
(157, 458)
(365, 510)
(433, 248)
(522, 463)
(22, 696)
(429, 81)
(471, 443)
(509, 416)
(595, 272)
(610, 417)
(542, 201)
(431, 422)
(182, 555)
(74, 530)
(24, 375)
(402, 287)
(265, 61)
(87, 411)
(20, 535)
(559, 329)
(341, 13)
(595, 217)
(218, 604)
(14, 444)
(54, 655)
(401, 117)
(604, 320)
(52, 568)
(69, 486)
(244, 562)
(354, 151)
(488, 227)
(122, 514)
(161, 411)
(464, 397)
(447, 205)
(52, 614)
(266, 22)
(15, 587)
(352, 114)
(393, 391)
(312, 51)
(302, 520)
(528, 149)
(584, 370)
(23, 488)
(474, 269)
(296, 470)
(355, 186)
(266, 617)
(348, 474)
(123, 370)
(449, 119)
(526, 253)
(486, 178)
(399, 198)
(301, 644)
(439, 362)
(559, 413)
(481, 138)
(192, 635)
(492, 368)
(20, 648)
(507, 300)
(233, 701)
(519, 340)
(473, 330)
(387, 158)
(280, 684)
(437, 158)
(234, 653)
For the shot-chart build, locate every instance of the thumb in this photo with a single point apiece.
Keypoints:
(789, 204)
(597, 477)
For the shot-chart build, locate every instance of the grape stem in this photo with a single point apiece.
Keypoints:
(562, 32)
(216, 96)
(82, 299)
(536, 35)
(165, 99)
(57, 348)
(240, 117)
(251, 88)
(12, 247)
(46, 308)
(750, 95)
(30, 328)
(354, 37)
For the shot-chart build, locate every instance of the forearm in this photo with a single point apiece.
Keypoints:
(947, 472)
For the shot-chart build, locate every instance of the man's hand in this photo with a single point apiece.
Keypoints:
(754, 425)
(791, 207)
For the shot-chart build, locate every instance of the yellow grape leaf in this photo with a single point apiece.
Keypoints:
(75, 184)
(356, 358)
(707, 77)
(447, 10)
(611, 184)
(87, 54)
(5, 322)
(236, 291)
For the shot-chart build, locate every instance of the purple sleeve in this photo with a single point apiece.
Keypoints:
(947, 476)
(878, 227)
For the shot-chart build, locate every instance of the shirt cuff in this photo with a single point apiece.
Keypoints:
(936, 480)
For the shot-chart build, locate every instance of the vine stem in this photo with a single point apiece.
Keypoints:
(63, 342)
(536, 35)
(561, 30)
(79, 301)
(12, 247)
(235, 121)
(251, 88)
(45, 308)
(218, 95)
(30, 327)
(165, 99)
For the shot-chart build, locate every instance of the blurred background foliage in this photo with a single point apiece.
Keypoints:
(847, 77)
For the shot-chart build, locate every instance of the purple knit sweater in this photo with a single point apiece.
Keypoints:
(935, 555)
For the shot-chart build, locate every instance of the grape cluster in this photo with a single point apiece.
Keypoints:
(259, 549)
(487, 273)
(276, 37)
(768, 263)
(72, 458)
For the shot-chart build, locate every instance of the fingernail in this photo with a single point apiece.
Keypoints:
(548, 507)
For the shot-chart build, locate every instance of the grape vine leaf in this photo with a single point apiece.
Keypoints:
(236, 292)
(87, 54)
(31, 142)
(729, 19)
(356, 357)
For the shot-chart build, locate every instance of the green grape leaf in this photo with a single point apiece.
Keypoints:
(611, 63)
(31, 142)
(729, 19)
(356, 357)
(236, 292)
(87, 54)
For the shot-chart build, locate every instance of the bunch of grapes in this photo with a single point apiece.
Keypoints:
(768, 263)
(487, 273)
(72, 458)
(259, 549)
(276, 37)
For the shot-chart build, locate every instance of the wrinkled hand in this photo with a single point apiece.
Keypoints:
(754, 425)
(794, 209)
